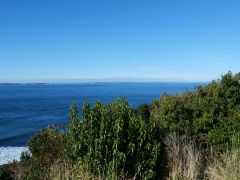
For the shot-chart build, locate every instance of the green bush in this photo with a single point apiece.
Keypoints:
(47, 145)
(112, 139)
(45, 148)
(211, 114)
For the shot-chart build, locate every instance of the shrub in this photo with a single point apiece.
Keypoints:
(45, 148)
(6, 173)
(112, 139)
(21, 169)
(209, 115)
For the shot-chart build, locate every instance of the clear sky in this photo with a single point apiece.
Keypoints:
(165, 40)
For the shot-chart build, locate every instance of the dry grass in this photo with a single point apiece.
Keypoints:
(65, 170)
(227, 167)
(184, 159)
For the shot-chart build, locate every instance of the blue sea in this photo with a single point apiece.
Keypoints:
(26, 108)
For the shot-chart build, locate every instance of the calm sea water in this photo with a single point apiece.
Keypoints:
(26, 108)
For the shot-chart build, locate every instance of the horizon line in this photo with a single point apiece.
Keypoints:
(99, 80)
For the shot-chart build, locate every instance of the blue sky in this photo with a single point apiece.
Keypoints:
(164, 40)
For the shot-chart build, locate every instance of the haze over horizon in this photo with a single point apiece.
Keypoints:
(99, 80)
(175, 41)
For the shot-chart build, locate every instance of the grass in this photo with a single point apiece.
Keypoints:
(226, 167)
(62, 170)
(184, 159)
(185, 162)
(65, 170)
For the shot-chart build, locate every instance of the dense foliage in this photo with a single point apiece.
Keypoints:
(210, 115)
(115, 140)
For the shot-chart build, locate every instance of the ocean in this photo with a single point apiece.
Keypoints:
(26, 108)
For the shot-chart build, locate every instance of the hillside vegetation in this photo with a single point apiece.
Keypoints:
(193, 135)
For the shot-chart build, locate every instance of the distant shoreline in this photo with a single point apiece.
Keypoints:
(120, 82)
(9, 84)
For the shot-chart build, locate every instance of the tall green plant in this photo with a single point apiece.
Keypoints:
(112, 139)
(74, 130)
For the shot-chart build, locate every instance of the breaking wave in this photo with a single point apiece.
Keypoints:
(8, 154)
